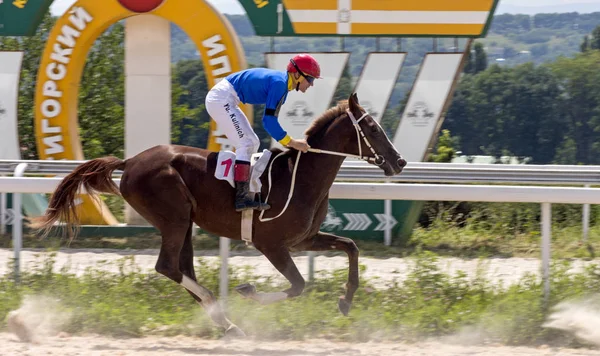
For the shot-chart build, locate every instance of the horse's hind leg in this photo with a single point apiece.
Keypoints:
(207, 300)
(280, 257)
(170, 265)
(167, 204)
(325, 242)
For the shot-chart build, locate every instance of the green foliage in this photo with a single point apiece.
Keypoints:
(445, 148)
(503, 229)
(190, 121)
(539, 35)
(580, 77)
(595, 40)
(481, 62)
(102, 95)
(530, 111)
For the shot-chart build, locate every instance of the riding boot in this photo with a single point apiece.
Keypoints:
(243, 200)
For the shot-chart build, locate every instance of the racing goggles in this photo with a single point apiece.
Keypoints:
(309, 79)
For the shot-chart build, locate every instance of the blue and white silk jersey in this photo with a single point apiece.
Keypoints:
(264, 86)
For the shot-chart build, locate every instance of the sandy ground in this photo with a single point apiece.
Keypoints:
(577, 318)
(381, 271)
(99, 345)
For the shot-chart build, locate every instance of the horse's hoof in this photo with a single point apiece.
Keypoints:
(234, 332)
(246, 290)
(344, 306)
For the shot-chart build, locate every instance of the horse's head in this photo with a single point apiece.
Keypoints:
(350, 130)
(369, 139)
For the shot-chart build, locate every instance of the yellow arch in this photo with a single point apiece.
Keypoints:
(59, 75)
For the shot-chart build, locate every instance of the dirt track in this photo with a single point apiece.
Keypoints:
(99, 345)
(380, 271)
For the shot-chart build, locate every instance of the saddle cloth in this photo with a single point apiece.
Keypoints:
(258, 162)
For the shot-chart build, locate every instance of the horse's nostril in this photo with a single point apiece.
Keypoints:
(401, 162)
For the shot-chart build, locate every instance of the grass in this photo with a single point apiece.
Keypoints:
(428, 304)
(444, 239)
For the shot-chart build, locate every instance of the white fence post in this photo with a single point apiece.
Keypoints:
(224, 244)
(387, 233)
(17, 228)
(3, 213)
(546, 236)
(586, 219)
(311, 265)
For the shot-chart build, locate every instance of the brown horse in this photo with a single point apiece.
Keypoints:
(174, 186)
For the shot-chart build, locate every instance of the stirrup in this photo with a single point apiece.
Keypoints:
(262, 205)
(251, 204)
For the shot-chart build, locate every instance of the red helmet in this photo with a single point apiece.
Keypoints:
(306, 64)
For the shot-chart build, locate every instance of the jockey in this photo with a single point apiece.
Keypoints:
(257, 86)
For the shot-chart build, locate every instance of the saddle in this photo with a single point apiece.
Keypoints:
(224, 171)
(258, 164)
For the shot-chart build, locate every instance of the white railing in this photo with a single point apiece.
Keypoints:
(414, 172)
(394, 191)
(421, 172)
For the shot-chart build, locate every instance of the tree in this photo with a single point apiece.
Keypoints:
(102, 96)
(481, 61)
(476, 59)
(585, 45)
(566, 152)
(190, 121)
(508, 111)
(595, 41)
(535, 102)
(580, 79)
(469, 67)
(445, 148)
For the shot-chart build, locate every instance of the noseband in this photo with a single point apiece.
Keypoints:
(376, 159)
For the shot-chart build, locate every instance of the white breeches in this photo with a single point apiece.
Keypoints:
(222, 105)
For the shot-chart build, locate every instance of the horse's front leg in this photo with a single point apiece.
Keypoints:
(280, 257)
(324, 242)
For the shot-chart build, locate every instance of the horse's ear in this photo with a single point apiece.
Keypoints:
(353, 102)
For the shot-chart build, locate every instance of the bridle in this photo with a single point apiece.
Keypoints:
(376, 159)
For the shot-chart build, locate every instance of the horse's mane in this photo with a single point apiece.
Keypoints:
(326, 118)
(323, 121)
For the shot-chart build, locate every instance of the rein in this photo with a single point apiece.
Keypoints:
(377, 159)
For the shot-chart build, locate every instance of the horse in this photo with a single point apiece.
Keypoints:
(174, 186)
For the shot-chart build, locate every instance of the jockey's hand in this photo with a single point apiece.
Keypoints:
(300, 145)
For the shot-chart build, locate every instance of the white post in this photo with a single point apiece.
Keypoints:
(17, 230)
(546, 236)
(311, 265)
(224, 275)
(586, 219)
(2, 213)
(147, 89)
(387, 233)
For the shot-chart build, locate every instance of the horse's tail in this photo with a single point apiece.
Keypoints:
(94, 176)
